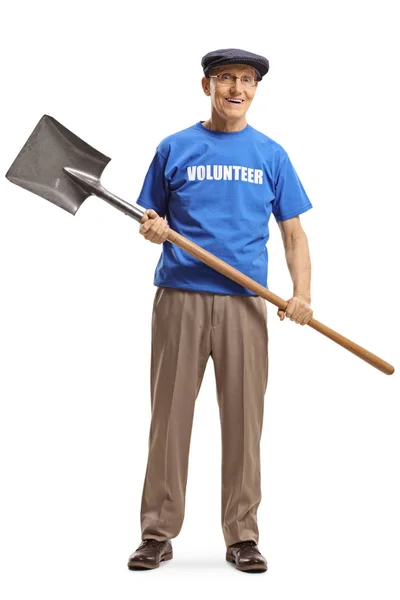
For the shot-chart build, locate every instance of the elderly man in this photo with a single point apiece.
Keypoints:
(217, 183)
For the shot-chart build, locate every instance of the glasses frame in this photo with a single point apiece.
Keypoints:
(256, 79)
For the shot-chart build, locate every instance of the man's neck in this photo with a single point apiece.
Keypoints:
(225, 126)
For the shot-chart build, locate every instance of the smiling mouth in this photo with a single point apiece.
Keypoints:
(238, 102)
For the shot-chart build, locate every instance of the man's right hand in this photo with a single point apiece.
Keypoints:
(153, 227)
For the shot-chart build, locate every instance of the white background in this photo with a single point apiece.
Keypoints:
(77, 292)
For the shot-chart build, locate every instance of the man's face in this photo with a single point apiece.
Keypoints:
(221, 93)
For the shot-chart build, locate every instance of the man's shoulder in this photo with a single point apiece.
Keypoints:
(181, 136)
(272, 144)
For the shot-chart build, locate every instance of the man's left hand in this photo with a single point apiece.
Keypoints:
(298, 310)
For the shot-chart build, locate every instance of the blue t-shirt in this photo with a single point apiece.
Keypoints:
(218, 189)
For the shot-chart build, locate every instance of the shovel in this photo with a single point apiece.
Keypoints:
(57, 165)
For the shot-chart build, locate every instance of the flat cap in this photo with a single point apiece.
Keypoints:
(229, 56)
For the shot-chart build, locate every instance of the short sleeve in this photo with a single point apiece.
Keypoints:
(290, 197)
(155, 190)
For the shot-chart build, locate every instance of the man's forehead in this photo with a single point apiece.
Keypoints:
(230, 67)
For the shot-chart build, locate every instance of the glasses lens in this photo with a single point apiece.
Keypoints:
(229, 79)
(248, 80)
(226, 78)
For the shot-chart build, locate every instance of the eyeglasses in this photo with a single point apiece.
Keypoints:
(230, 79)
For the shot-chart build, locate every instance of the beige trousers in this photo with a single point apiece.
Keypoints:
(187, 328)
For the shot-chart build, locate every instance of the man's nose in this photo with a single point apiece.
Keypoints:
(238, 84)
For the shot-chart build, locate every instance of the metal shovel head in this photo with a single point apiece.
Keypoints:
(39, 167)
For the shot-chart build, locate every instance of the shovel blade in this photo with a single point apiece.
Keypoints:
(39, 167)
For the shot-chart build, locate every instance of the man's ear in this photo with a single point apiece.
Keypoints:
(206, 85)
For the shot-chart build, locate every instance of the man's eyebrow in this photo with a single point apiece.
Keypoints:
(228, 69)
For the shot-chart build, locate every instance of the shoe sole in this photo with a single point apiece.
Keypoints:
(134, 564)
(253, 567)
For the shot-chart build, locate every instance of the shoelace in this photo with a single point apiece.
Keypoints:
(147, 542)
(246, 543)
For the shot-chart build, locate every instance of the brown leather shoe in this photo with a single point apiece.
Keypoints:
(246, 556)
(149, 554)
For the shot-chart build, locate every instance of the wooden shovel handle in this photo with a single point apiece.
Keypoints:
(222, 267)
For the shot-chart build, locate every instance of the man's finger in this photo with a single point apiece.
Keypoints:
(155, 230)
(149, 225)
(151, 233)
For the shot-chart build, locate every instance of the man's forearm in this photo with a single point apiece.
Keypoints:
(299, 265)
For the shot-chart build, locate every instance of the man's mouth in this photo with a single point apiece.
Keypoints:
(234, 100)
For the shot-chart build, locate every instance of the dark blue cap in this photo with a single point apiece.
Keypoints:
(230, 56)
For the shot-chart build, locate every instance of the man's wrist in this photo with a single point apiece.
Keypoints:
(303, 296)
